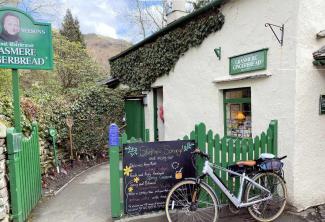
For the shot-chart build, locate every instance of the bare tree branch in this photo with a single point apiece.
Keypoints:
(140, 18)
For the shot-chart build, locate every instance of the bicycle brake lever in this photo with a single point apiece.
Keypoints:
(197, 150)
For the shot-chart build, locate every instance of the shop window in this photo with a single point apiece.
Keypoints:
(238, 113)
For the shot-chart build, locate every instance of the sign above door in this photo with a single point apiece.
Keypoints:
(248, 62)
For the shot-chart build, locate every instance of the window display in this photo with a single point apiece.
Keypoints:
(238, 118)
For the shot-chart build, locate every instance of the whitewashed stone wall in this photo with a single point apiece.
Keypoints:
(290, 94)
(191, 95)
(308, 167)
(4, 194)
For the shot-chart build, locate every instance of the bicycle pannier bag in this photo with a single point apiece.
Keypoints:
(271, 165)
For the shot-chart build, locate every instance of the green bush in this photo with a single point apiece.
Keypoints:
(92, 113)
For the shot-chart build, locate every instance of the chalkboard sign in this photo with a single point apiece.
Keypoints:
(322, 105)
(151, 169)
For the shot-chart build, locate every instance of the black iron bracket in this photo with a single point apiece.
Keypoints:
(281, 28)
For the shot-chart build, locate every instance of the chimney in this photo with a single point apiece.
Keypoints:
(175, 10)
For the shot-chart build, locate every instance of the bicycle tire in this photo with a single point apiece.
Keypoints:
(178, 207)
(276, 185)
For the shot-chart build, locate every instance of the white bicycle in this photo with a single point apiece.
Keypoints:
(262, 190)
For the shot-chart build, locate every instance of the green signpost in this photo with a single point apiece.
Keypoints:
(53, 134)
(248, 62)
(24, 44)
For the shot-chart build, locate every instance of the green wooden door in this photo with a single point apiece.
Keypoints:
(135, 118)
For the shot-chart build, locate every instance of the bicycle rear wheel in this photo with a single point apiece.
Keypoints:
(270, 209)
(180, 207)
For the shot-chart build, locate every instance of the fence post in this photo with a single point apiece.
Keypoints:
(114, 170)
(147, 136)
(201, 142)
(14, 176)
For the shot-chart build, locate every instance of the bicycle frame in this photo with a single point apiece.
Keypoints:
(237, 201)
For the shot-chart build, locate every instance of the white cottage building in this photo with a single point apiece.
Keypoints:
(240, 77)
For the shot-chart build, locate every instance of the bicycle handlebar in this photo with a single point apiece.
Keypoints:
(197, 151)
(281, 158)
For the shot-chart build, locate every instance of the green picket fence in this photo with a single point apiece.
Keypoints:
(227, 151)
(24, 173)
(222, 152)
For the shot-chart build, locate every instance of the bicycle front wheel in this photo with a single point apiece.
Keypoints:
(270, 209)
(183, 203)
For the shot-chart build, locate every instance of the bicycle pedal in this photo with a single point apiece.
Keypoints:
(233, 209)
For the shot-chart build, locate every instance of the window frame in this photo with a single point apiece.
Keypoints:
(238, 101)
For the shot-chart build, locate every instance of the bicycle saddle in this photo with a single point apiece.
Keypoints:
(246, 163)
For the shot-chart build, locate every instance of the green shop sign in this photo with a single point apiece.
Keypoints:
(248, 62)
(24, 43)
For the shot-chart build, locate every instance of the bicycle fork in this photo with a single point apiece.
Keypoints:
(196, 193)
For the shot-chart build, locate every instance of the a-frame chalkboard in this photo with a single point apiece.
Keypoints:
(150, 170)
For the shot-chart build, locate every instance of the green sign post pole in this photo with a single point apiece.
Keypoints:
(53, 134)
(16, 99)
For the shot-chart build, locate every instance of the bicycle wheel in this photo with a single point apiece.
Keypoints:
(270, 209)
(179, 206)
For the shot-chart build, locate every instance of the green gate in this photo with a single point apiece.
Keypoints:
(24, 172)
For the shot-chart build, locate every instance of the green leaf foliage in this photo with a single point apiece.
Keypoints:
(141, 67)
(73, 65)
(5, 82)
(69, 90)
(92, 115)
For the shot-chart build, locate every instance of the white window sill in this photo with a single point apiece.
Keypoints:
(241, 77)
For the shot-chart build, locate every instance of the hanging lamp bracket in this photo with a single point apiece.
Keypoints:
(281, 28)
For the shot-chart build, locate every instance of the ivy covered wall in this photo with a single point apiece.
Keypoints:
(141, 67)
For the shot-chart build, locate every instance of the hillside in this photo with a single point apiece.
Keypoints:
(101, 48)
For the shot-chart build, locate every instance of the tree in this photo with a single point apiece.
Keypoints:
(199, 3)
(71, 29)
(148, 18)
(48, 10)
(74, 66)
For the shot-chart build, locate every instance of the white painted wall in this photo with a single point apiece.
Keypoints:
(190, 96)
(309, 168)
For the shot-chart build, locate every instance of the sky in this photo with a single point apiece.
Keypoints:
(104, 17)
